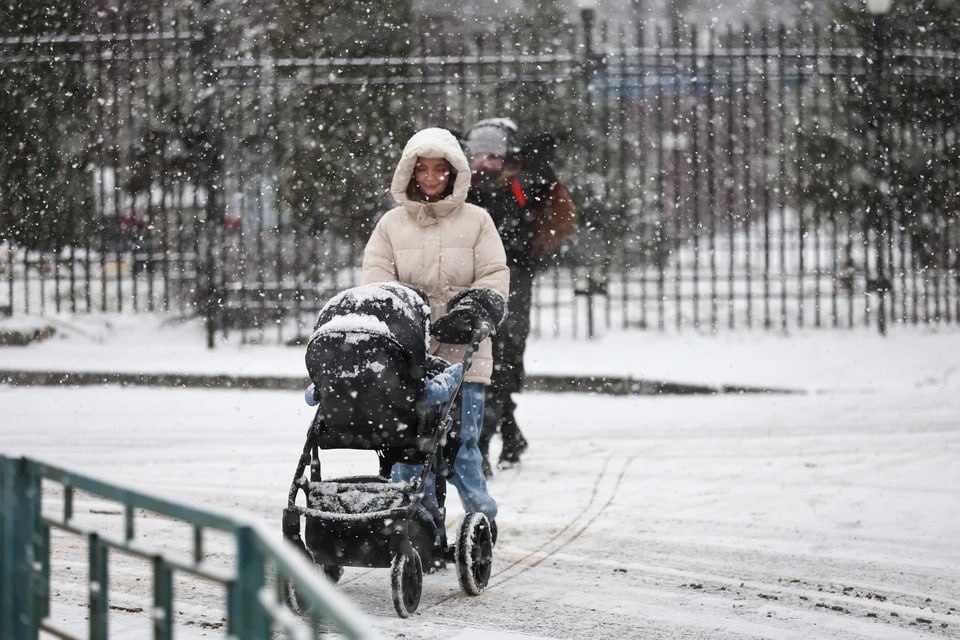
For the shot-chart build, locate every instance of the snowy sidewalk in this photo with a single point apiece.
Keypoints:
(146, 348)
(727, 517)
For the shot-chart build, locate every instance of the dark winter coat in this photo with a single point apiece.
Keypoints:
(513, 207)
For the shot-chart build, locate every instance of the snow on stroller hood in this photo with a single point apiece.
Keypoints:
(388, 311)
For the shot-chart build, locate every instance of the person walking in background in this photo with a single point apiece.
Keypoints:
(450, 250)
(513, 180)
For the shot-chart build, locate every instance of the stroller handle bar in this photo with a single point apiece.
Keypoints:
(480, 333)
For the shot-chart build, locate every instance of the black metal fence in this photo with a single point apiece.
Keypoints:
(165, 166)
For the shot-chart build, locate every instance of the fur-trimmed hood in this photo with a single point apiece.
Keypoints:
(431, 143)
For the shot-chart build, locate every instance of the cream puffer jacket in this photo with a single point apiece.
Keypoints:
(441, 248)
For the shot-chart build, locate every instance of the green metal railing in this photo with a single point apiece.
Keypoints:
(255, 603)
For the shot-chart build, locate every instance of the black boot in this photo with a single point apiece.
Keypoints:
(485, 465)
(484, 446)
(514, 444)
(487, 431)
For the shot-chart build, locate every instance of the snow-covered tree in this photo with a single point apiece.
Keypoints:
(45, 176)
(350, 118)
(541, 28)
(889, 142)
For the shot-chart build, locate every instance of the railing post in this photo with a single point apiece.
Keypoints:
(247, 619)
(97, 585)
(21, 536)
(162, 600)
(41, 585)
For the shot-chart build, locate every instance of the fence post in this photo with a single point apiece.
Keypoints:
(881, 210)
(20, 533)
(211, 161)
(247, 619)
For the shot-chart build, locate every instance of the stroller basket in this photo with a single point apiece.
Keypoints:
(360, 521)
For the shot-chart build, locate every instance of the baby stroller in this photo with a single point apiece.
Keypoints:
(368, 360)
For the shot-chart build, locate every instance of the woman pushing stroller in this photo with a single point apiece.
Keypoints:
(435, 285)
(450, 250)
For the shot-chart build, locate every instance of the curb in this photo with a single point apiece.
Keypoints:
(23, 337)
(636, 387)
(548, 383)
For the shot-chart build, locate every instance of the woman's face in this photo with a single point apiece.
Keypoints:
(431, 176)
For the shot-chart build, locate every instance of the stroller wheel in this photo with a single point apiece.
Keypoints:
(289, 590)
(297, 604)
(333, 572)
(474, 553)
(406, 581)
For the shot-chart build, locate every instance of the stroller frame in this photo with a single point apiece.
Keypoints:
(400, 531)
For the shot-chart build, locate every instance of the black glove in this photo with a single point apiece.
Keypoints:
(466, 312)
(456, 327)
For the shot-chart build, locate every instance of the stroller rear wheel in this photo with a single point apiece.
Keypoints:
(474, 553)
(406, 581)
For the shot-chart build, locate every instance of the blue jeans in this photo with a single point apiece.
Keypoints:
(467, 475)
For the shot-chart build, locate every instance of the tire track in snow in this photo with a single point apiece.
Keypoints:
(522, 566)
(559, 540)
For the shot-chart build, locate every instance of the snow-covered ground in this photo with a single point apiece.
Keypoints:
(813, 360)
(827, 514)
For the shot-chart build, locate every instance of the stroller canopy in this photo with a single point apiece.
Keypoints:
(367, 358)
(365, 318)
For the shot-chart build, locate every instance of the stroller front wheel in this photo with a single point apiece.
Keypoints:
(406, 581)
(333, 573)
